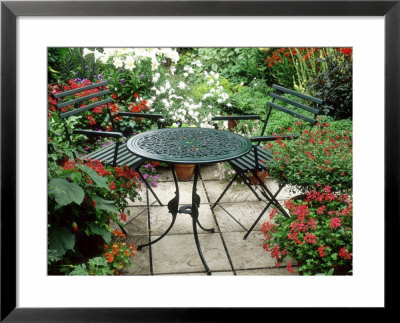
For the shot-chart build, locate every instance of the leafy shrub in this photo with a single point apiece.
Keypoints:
(116, 257)
(334, 85)
(97, 266)
(318, 234)
(83, 196)
(70, 63)
(238, 65)
(319, 156)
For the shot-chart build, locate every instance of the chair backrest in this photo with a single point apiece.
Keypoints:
(84, 98)
(292, 106)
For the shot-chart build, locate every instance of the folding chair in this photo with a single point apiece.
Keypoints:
(259, 157)
(115, 154)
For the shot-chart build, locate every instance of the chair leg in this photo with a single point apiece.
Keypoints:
(223, 193)
(247, 182)
(149, 187)
(271, 197)
(261, 214)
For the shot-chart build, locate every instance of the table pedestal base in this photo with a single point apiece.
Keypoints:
(187, 209)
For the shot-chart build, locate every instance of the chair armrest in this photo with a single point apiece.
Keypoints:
(140, 115)
(272, 138)
(242, 117)
(99, 133)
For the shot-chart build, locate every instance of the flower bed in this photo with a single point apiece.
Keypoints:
(318, 235)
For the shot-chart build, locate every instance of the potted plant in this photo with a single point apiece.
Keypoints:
(317, 235)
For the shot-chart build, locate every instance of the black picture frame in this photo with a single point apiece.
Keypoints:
(10, 10)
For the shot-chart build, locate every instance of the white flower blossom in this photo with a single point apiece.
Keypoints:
(197, 63)
(117, 62)
(87, 52)
(181, 85)
(129, 64)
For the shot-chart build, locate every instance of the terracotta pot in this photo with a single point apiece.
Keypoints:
(184, 171)
(262, 175)
(232, 124)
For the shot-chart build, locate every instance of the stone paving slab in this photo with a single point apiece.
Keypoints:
(142, 201)
(178, 254)
(236, 193)
(245, 212)
(241, 193)
(249, 253)
(141, 261)
(137, 222)
(160, 219)
(166, 191)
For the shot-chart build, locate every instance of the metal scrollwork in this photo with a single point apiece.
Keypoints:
(185, 145)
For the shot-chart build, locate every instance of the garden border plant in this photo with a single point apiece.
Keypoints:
(317, 235)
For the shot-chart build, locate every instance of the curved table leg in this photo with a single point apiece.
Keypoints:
(173, 209)
(195, 220)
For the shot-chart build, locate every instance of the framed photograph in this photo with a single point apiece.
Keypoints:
(29, 28)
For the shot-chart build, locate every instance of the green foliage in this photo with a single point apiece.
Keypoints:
(69, 63)
(60, 241)
(319, 157)
(335, 85)
(317, 235)
(125, 83)
(83, 198)
(65, 192)
(239, 65)
(97, 266)
(251, 99)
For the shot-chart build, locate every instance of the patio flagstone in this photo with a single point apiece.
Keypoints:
(249, 253)
(141, 261)
(245, 212)
(160, 219)
(226, 252)
(178, 253)
(165, 192)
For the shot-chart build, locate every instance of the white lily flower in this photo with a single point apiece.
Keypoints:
(87, 52)
(117, 62)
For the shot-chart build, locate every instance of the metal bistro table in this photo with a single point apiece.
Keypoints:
(197, 146)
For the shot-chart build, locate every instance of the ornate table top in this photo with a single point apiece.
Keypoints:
(189, 145)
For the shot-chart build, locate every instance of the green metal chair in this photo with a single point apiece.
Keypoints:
(115, 154)
(259, 157)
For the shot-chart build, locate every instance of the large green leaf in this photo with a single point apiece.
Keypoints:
(106, 205)
(65, 192)
(100, 181)
(61, 240)
(102, 231)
